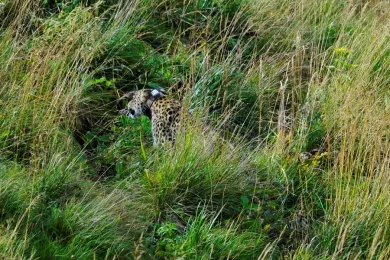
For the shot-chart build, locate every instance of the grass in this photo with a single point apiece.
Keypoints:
(275, 78)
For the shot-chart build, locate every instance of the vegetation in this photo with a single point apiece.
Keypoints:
(276, 78)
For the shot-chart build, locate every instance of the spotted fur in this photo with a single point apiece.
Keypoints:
(165, 113)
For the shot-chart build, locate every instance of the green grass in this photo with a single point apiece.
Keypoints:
(275, 78)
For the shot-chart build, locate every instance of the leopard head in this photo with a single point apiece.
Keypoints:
(139, 102)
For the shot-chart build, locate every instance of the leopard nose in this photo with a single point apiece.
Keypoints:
(132, 112)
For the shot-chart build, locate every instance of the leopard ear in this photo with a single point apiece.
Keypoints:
(158, 93)
(128, 95)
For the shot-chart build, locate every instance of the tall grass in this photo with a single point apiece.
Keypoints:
(276, 78)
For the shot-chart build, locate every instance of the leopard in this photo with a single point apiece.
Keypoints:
(165, 113)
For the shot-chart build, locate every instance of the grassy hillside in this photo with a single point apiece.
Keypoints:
(279, 79)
